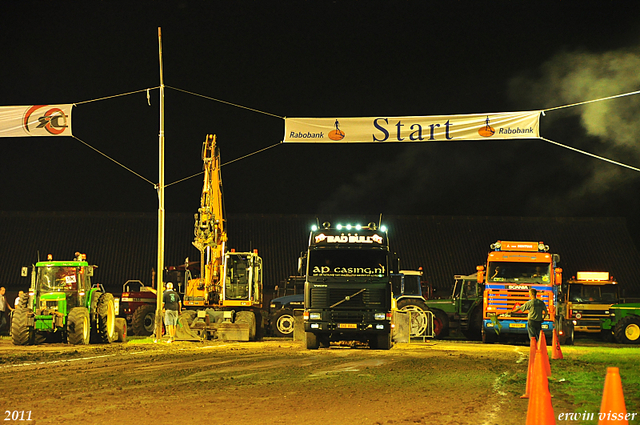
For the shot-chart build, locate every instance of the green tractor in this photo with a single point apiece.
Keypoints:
(63, 306)
(623, 323)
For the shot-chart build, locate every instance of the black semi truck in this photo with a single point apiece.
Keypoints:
(347, 293)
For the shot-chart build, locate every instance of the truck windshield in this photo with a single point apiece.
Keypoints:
(347, 263)
(52, 278)
(607, 294)
(503, 271)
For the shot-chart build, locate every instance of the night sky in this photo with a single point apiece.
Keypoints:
(325, 59)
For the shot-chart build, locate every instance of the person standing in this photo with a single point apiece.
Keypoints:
(5, 308)
(17, 301)
(537, 310)
(172, 307)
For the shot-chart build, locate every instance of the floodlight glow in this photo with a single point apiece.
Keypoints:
(358, 227)
(383, 228)
(339, 227)
(314, 228)
(348, 227)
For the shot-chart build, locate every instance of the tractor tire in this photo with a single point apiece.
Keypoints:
(627, 330)
(143, 321)
(24, 301)
(419, 318)
(440, 323)
(103, 331)
(283, 323)
(250, 318)
(474, 331)
(312, 341)
(21, 334)
(78, 331)
(121, 330)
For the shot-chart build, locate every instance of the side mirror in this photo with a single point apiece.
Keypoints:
(558, 276)
(24, 272)
(480, 270)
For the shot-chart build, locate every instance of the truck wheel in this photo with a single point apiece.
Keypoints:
(417, 309)
(440, 323)
(488, 337)
(312, 341)
(121, 329)
(381, 342)
(249, 318)
(143, 321)
(104, 328)
(21, 334)
(627, 330)
(78, 326)
(283, 323)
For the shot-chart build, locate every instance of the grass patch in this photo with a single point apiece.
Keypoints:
(579, 378)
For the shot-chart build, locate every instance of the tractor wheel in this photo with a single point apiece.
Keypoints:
(121, 330)
(103, 330)
(283, 323)
(627, 330)
(440, 323)
(78, 331)
(24, 301)
(419, 319)
(143, 321)
(249, 318)
(474, 331)
(312, 341)
(20, 332)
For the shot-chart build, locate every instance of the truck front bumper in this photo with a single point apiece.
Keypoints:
(377, 327)
(514, 326)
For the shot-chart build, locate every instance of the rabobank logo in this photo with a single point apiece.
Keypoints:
(336, 134)
(487, 130)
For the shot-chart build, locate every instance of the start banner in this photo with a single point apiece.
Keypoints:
(504, 125)
(35, 120)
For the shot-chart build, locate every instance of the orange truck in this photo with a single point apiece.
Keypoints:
(511, 270)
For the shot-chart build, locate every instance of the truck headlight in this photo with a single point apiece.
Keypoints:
(315, 316)
(379, 316)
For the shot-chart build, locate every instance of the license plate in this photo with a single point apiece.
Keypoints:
(347, 325)
(517, 325)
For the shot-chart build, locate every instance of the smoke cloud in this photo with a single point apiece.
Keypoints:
(611, 127)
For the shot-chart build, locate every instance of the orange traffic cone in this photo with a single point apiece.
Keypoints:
(556, 352)
(612, 409)
(532, 356)
(540, 410)
(542, 345)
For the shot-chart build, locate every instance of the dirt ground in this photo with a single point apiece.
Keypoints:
(275, 381)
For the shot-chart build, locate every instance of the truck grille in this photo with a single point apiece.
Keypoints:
(326, 297)
(347, 316)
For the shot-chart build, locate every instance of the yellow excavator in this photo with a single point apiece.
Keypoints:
(225, 301)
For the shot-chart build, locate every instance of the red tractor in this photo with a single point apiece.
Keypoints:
(138, 306)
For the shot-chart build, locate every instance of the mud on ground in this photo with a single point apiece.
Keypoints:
(275, 381)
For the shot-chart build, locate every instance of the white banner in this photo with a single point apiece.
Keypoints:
(35, 120)
(504, 125)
